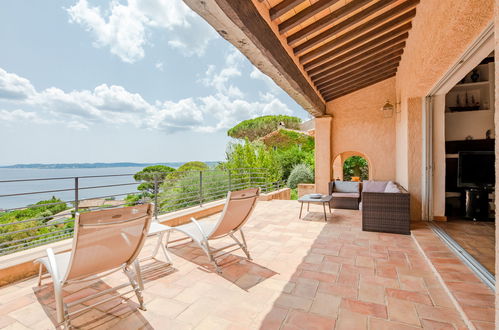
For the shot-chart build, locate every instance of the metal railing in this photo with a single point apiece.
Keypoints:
(52, 219)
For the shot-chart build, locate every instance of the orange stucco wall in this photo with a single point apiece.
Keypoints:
(359, 127)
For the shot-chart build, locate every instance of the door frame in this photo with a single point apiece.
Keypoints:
(483, 45)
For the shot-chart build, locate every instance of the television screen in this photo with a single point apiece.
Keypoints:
(476, 169)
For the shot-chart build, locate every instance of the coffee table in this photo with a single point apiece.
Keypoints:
(325, 199)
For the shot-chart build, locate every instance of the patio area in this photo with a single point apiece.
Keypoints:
(304, 274)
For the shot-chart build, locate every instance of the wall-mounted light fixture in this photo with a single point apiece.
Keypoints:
(387, 109)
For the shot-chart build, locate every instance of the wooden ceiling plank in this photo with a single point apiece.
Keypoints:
(357, 53)
(327, 86)
(359, 80)
(367, 84)
(356, 32)
(372, 71)
(360, 70)
(359, 85)
(327, 20)
(306, 13)
(374, 59)
(283, 7)
(316, 65)
(342, 26)
(246, 16)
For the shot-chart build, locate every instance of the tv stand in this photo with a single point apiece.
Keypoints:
(477, 203)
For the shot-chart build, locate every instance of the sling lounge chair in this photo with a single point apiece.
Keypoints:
(237, 210)
(104, 242)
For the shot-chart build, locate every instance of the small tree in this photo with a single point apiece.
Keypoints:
(355, 166)
(253, 155)
(149, 175)
(253, 129)
(301, 173)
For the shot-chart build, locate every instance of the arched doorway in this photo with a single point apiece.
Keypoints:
(351, 166)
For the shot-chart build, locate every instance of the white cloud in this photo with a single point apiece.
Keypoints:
(14, 87)
(220, 79)
(258, 75)
(114, 105)
(124, 28)
(160, 66)
(123, 32)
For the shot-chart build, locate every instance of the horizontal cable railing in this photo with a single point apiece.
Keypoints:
(24, 225)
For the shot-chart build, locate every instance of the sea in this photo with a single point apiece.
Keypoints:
(63, 179)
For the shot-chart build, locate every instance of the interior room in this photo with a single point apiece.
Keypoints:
(469, 164)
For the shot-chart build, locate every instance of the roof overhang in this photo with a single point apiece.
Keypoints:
(315, 50)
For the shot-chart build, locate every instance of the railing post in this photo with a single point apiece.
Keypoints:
(200, 188)
(76, 194)
(230, 181)
(155, 196)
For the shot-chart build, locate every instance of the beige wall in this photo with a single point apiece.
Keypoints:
(442, 30)
(359, 127)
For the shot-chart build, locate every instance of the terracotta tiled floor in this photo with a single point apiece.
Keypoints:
(477, 238)
(473, 296)
(305, 274)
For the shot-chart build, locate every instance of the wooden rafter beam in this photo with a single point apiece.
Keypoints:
(361, 61)
(305, 14)
(342, 26)
(406, 17)
(361, 70)
(327, 20)
(243, 25)
(355, 46)
(283, 7)
(372, 71)
(359, 85)
(360, 81)
(357, 54)
(246, 16)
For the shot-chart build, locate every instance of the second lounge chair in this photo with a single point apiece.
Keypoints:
(238, 208)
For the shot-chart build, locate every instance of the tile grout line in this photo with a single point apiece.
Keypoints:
(465, 318)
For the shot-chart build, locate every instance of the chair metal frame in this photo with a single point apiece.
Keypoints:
(131, 268)
(213, 254)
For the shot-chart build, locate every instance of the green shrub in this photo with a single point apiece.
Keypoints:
(301, 173)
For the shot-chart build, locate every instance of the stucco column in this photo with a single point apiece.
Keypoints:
(323, 161)
(414, 154)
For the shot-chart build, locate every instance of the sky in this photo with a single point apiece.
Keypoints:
(111, 81)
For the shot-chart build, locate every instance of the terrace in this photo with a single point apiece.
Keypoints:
(341, 61)
(305, 273)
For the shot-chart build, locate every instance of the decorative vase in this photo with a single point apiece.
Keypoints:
(475, 75)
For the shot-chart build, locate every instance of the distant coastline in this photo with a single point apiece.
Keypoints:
(98, 165)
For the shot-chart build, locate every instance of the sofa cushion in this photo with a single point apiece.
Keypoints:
(392, 188)
(374, 186)
(346, 187)
(346, 195)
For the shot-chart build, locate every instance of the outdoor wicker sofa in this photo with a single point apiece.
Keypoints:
(346, 195)
(385, 207)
